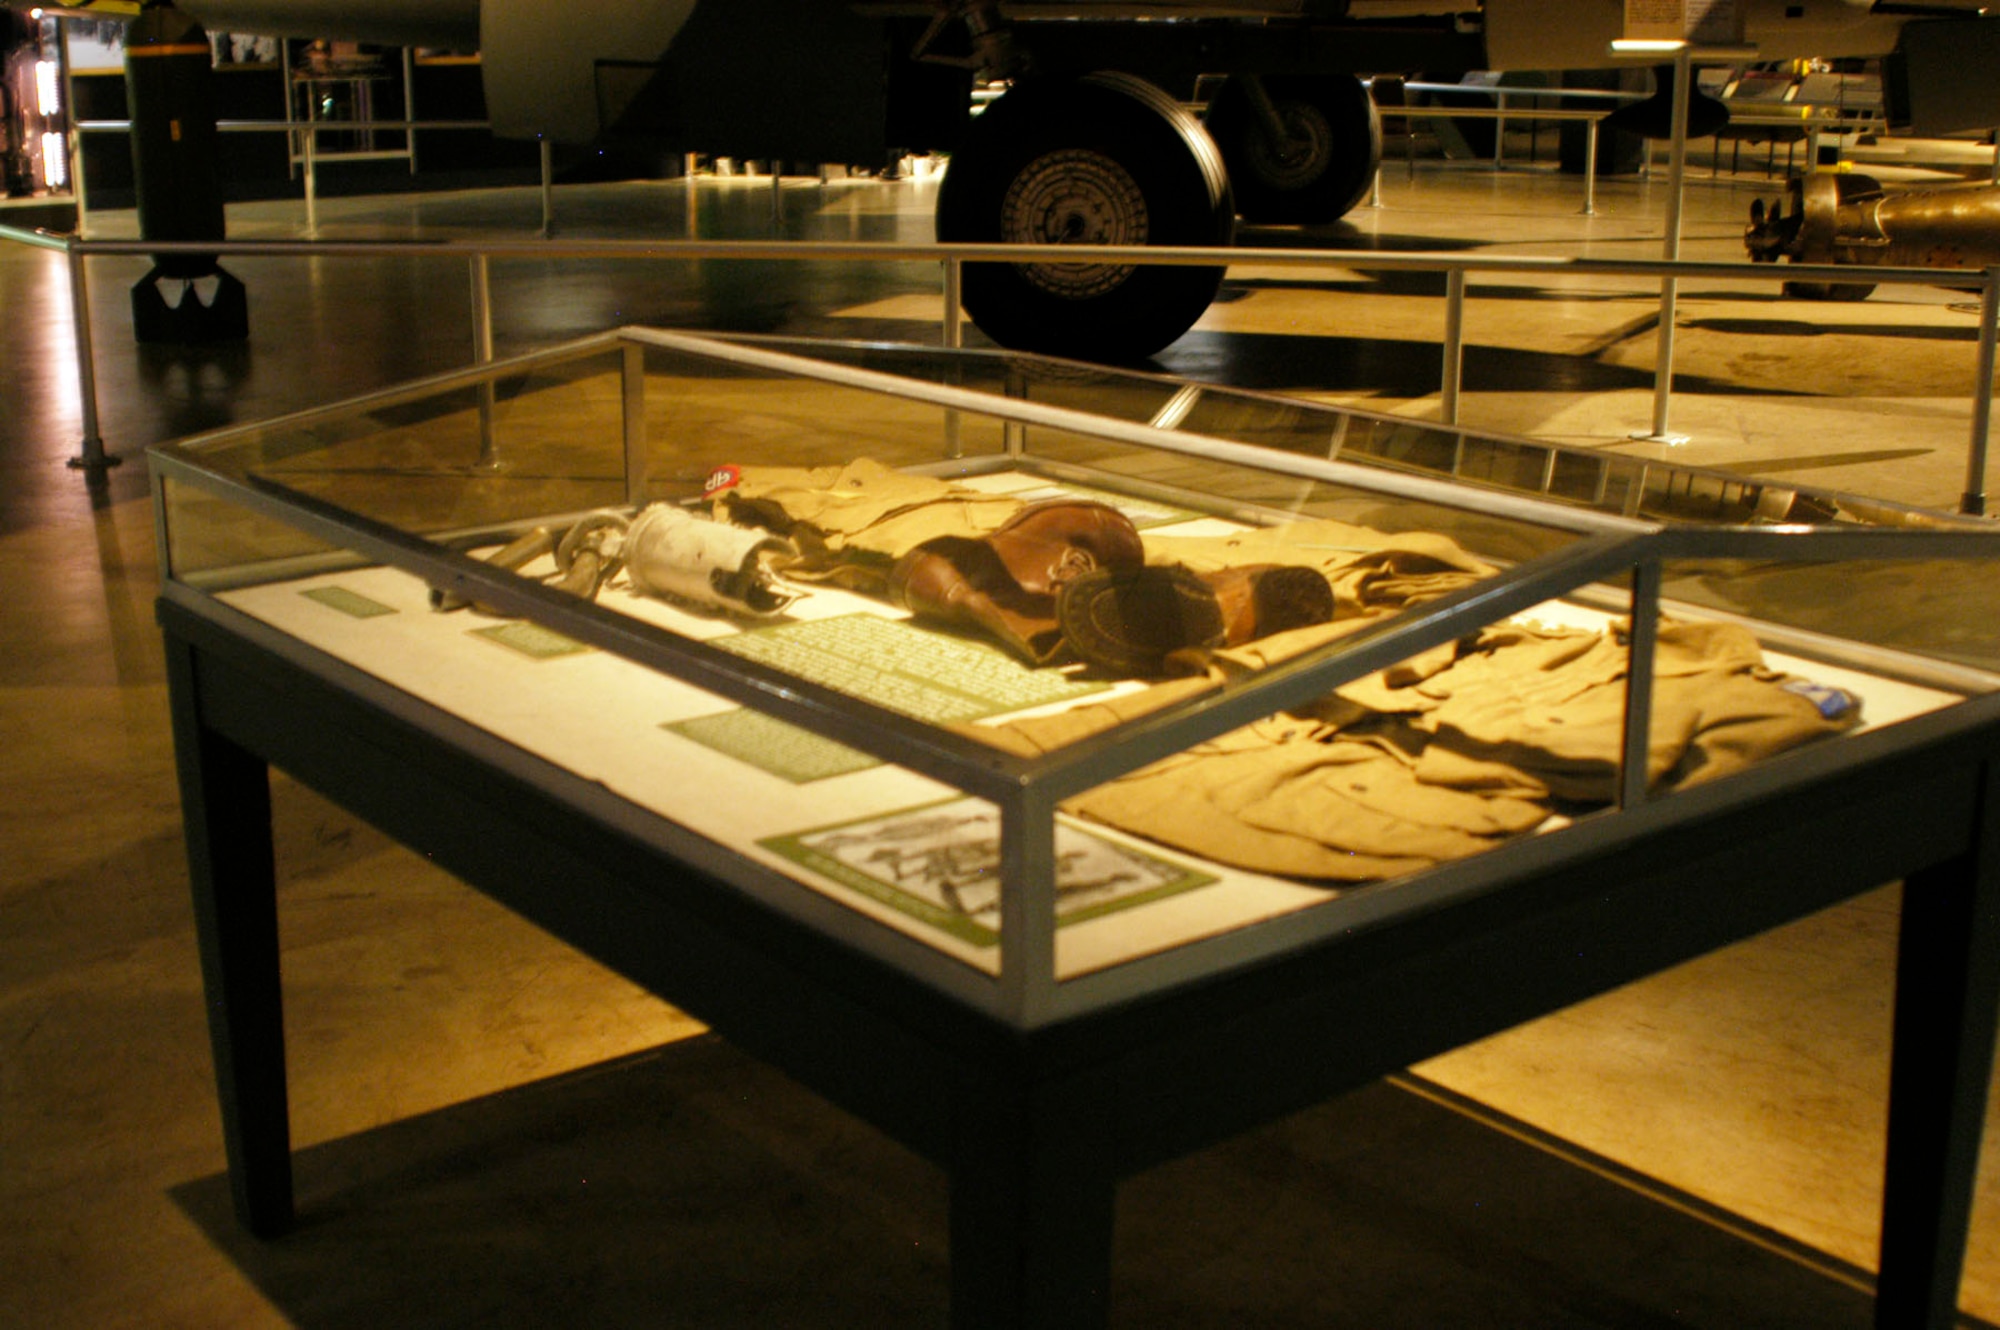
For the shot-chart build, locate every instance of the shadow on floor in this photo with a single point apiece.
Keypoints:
(694, 1187)
(1808, 328)
(1392, 368)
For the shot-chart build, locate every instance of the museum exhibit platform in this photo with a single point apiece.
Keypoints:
(887, 857)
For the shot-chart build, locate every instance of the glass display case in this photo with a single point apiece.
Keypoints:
(1063, 769)
(1051, 685)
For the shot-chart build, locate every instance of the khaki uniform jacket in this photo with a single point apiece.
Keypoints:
(1440, 757)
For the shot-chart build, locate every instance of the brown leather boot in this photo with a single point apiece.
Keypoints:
(1127, 623)
(1004, 585)
(961, 582)
(1261, 599)
(1047, 544)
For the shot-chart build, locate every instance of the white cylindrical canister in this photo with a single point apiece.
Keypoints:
(673, 553)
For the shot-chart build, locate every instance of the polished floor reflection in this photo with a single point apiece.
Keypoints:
(1751, 1081)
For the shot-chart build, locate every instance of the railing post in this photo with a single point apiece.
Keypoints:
(954, 306)
(410, 106)
(953, 337)
(92, 457)
(73, 138)
(1973, 501)
(1663, 369)
(310, 140)
(482, 309)
(548, 188)
(482, 352)
(691, 214)
(294, 145)
(76, 182)
(1454, 343)
(1590, 167)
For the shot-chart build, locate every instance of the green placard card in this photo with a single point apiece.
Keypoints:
(895, 664)
(531, 639)
(351, 603)
(785, 750)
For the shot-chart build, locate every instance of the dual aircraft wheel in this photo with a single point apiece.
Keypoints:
(1109, 159)
(1103, 160)
(1324, 165)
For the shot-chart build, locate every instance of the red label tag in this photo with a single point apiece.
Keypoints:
(720, 479)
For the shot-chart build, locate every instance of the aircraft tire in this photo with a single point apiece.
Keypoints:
(1336, 121)
(1104, 159)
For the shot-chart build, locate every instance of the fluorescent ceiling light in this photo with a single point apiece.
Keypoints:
(48, 97)
(55, 161)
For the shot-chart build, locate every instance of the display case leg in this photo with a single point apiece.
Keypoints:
(1030, 1228)
(226, 816)
(1947, 995)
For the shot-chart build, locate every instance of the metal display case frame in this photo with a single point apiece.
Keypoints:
(1034, 1089)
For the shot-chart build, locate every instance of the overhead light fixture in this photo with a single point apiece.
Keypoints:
(55, 161)
(1668, 46)
(48, 88)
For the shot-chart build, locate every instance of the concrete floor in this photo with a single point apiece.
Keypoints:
(1749, 1083)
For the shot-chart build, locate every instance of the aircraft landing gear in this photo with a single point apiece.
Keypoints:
(1298, 149)
(1106, 159)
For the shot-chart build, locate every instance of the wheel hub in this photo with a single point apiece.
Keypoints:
(1074, 197)
(1302, 158)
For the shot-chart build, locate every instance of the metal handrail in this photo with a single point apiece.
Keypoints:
(477, 254)
(298, 126)
(993, 252)
(306, 133)
(1522, 90)
(1502, 113)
